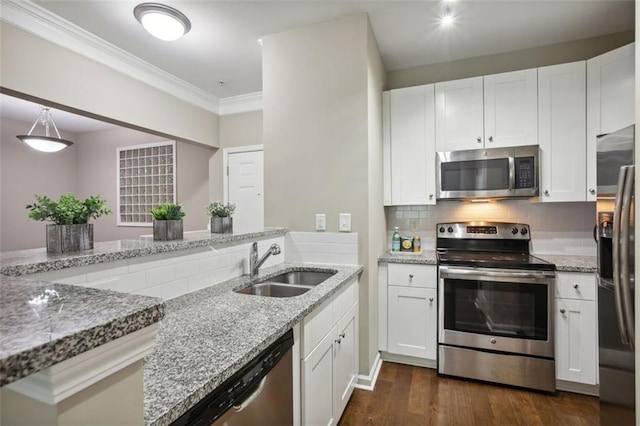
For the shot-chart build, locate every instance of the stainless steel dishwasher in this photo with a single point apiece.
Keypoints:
(260, 393)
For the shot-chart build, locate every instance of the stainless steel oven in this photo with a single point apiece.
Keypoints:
(495, 306)
(488, 173)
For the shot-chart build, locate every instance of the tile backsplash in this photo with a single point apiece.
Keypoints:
(556, 228)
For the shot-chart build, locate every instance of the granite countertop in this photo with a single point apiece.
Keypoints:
(43, 323)
(208, 335)
(23, 262)
(564, 263)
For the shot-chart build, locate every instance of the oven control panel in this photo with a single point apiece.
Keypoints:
(483, 230)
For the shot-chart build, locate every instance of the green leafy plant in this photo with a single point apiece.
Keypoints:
(68, 210)
(217, 209)
(168, 211)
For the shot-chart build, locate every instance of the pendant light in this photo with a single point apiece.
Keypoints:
(161, 21)
(45, 143)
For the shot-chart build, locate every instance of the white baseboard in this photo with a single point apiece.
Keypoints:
(368, 382)
(593, 390)
(409, 360)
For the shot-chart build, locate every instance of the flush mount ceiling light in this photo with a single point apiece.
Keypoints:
(163, 22)
(45, 143)
(447, 17)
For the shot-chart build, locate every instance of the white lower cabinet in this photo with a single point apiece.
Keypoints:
(576, 328)
(329, 364)
(408, 314)
(412, 318)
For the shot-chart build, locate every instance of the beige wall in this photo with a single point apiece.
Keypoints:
(97, 171)
(26, 172)
(235, 130)
(316, 117)
(36, 67)
(510, 61)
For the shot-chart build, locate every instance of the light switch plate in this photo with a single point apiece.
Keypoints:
(321, 222)
(345, 222)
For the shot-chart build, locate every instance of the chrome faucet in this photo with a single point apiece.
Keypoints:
(255, 263)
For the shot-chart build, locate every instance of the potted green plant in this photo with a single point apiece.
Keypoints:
(167, 222)
(221, 220)
(71, 230)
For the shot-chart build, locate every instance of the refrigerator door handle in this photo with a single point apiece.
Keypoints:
(625, 252)
(617, 291)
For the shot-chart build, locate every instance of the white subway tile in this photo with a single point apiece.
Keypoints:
(174, 289)
(131, 282)
(198, 282)
(160, 275)
(186, 268)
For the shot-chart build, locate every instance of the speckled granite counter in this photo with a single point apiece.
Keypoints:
(425, 258)
(208, 335)
(564, 263)
(23, 262)
(42, 323)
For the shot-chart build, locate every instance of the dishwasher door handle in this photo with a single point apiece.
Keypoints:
(251, 397)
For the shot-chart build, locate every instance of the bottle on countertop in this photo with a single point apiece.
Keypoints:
(417, 245)
(395, 240)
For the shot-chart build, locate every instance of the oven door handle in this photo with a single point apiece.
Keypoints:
(538, 277)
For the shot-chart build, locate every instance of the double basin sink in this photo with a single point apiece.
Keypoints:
(288, 284)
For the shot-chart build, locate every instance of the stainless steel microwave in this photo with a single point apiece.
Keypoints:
(488, 173)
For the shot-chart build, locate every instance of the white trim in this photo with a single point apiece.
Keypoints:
(30, 17)
(225, 165)
(368, 383)
(409, 360)
(563, 385)
(69, 377)
(241, 103)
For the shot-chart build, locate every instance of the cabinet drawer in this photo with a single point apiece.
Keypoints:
(412, 275)
(574, 285)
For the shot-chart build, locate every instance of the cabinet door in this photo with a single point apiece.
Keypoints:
(459, 114)
(511, 109)
(386, 148)
(562, 132)
(576, 341)
(317, 383)
(409, 316)
(346, 360)
(412, 138)
(610, 101)
(432, 324)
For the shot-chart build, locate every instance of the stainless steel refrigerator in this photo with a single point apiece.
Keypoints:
(616, 276)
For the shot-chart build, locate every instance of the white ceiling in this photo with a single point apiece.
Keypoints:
(19, 109)
(222, 44)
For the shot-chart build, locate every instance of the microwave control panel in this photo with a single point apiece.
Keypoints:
(525, 172)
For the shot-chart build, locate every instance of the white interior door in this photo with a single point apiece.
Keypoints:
(246, 189)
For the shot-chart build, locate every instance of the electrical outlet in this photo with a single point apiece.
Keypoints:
(345, 222)
(321, 222)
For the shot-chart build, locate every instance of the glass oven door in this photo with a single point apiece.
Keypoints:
(497, 309)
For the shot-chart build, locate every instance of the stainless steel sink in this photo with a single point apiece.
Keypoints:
(310, 278)
(288, 284)
(274, 290)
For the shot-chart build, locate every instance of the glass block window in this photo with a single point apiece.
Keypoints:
(146, 178)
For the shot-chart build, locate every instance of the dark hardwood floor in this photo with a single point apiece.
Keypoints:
(406, 395)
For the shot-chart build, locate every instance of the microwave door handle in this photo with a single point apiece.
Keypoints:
(625, 252)
(617, 291)
(512, 173)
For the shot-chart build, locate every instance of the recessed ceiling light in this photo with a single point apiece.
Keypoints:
(163, 22)
(447, 17)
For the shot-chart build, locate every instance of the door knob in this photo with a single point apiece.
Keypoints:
(479, 139)
(562, 311)
(430, 196)
(592, 191)
(576, 286)
(546, 192)
(431, 299)
(410, 276)
(490, 138)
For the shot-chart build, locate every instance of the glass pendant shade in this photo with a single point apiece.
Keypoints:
(46, 143)
(162, 22)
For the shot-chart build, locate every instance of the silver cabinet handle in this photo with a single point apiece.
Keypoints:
(576, 286)
(479, 139)
(410, 276)
(430, 196)
(562, 311)
(342, 335)
(338, 341)
(493, 340)
(490, 138)
(431, 299)
(592, 191)
(546, 192)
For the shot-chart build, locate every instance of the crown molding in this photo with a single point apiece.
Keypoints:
(241, 103)
(38, 21)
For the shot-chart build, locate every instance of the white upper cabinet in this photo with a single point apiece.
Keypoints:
(459, 114)
(610, 101)
(409, 146)
(562, 132)
(497, 110)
